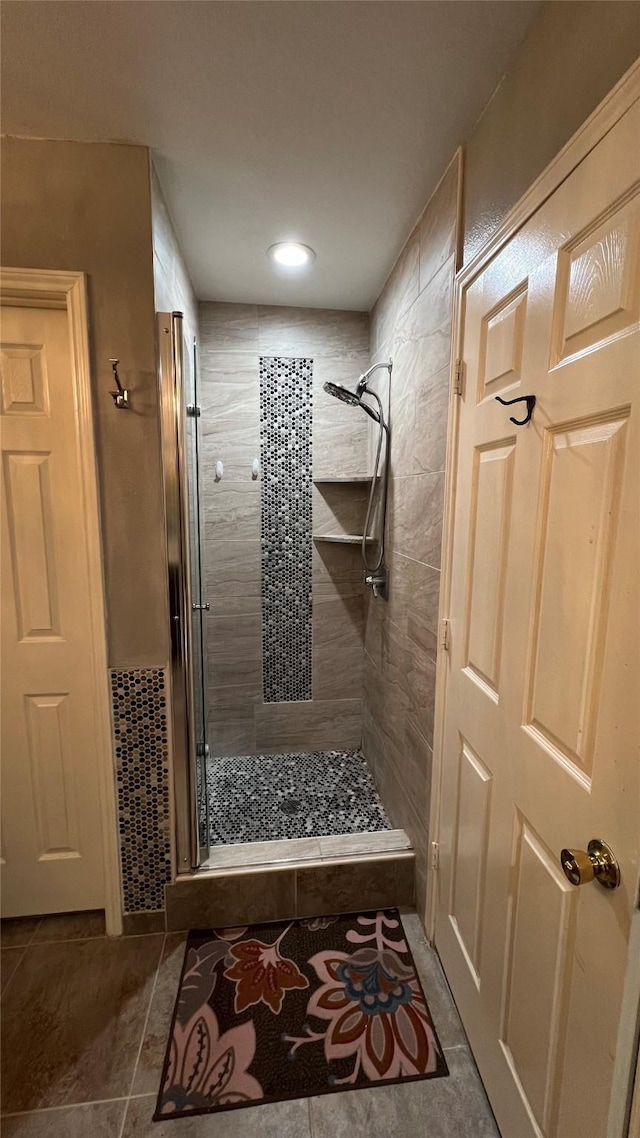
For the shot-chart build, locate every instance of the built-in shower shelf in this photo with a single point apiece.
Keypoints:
(355, 479)
(342, 538)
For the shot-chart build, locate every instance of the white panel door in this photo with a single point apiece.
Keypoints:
(542, 723)
(52, 848)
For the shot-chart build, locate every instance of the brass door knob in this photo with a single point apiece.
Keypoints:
(599, 861)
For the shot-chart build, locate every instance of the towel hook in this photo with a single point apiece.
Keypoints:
(530, 400)
(121, 396)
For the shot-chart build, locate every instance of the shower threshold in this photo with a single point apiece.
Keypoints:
(291, 797)
(253, 882)
(331, 849)
(289, 851)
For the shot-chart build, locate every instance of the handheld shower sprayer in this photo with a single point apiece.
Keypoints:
(376, 574)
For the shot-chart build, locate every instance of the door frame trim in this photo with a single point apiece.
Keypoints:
(52, 288)
(619, 100)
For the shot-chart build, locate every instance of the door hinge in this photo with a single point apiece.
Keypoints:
(193, 411)
(435, 856)
(445, 634)
(458, 377)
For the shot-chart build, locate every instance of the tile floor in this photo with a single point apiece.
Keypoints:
(85, 1022)
(260, 798)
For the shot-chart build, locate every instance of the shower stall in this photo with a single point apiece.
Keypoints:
(272, 505)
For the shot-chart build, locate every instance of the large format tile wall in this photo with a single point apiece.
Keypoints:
(411, 323)
(233, 339)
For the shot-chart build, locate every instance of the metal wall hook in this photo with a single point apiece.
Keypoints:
(530, 400)
(121, 396)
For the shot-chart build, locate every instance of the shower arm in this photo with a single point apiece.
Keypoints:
(362, 382)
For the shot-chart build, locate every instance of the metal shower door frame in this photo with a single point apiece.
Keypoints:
(174, 473)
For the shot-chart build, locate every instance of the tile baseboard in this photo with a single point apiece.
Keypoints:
(143, 923)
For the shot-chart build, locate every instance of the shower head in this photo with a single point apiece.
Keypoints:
(352, 398)
(339, 391)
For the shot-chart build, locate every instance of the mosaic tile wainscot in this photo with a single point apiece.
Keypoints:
(141, 747)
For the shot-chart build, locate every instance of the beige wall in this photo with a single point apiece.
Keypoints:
(411, 323)
(232, 338)
(86, 206)
(573, 54)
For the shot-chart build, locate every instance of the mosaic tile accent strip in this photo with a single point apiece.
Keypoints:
(260, 798)
(141, 742)
(286, 397)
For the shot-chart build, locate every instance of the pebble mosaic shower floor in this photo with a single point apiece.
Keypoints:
(260, 798)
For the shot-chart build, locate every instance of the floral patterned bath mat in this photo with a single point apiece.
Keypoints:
(293, 1009)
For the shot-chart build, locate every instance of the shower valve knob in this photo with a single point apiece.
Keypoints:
(377, 582)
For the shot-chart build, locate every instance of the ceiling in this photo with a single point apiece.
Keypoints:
(324, 122)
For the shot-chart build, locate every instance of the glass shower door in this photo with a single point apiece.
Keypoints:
(199, 606)
(180, 468)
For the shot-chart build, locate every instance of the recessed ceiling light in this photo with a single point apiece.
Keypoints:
(291, 254)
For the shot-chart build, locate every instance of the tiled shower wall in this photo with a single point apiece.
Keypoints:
(411, 323)
(233, 339)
